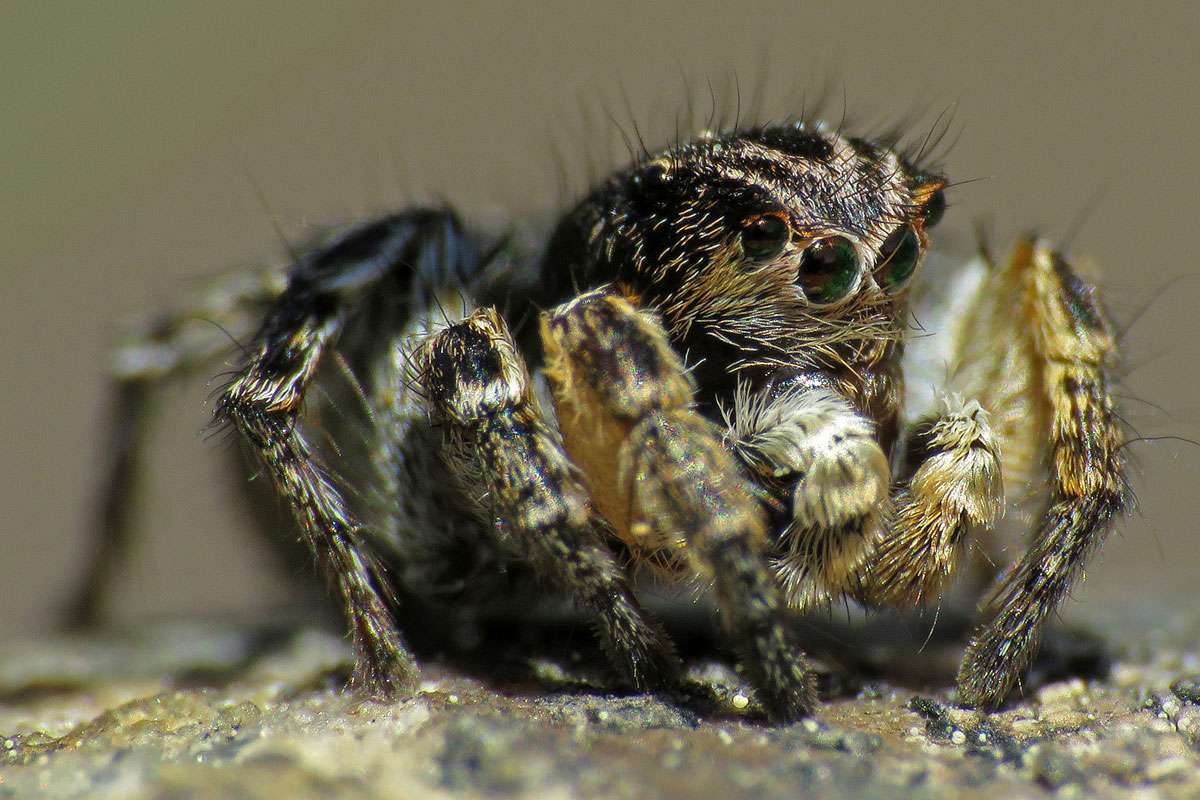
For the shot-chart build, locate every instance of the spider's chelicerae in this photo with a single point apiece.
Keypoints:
(703, 371)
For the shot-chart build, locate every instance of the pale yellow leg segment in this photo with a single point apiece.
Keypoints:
(1059, 356)
(955, 488)
(660, 472)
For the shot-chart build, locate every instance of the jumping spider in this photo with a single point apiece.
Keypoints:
(717, 390)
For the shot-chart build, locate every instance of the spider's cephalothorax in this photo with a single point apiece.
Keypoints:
(717, 389)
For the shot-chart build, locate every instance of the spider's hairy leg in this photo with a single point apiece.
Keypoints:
(394, 260)
(1069, 349)
(815, 449)
(512, 468)
(952, 486)
(157, 351)
(660, 473)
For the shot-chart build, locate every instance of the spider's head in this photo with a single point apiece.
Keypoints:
(775, 246)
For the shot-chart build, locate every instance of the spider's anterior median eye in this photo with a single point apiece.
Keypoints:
(898, 259)
(765, 236)
(828, 270)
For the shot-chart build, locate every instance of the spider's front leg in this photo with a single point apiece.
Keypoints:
(660, 473)
(512, 469)
(1050, 384)
(810, 444)
(951, 485)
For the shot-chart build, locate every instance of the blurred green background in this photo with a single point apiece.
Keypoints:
(147, 145)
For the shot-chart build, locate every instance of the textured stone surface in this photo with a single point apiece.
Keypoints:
(203, 710)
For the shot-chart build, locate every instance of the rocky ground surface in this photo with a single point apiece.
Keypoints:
(201, 710)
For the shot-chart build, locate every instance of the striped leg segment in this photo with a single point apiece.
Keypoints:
(395, 262)
(1072, 347)
(955, 488)
(660, 472)
(513, 469)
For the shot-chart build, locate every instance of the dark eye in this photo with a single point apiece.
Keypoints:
(765, 236)
(897, 259)
(653, 178)
(935, 209)
(828, 270)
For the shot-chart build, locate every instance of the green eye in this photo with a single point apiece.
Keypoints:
(828, 270)
(765, 236)
(898, 259)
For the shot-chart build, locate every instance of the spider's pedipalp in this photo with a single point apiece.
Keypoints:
(512, 467)
(669, 481)
(954, 486)
(852, 532)
(819, 453)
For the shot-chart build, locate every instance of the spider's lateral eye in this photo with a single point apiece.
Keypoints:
(898, 259)
(828, 270)
(652, 177)
(765, 236)
(935, 208)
